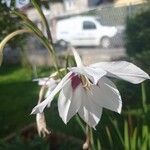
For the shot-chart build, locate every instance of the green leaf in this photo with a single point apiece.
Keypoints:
(117, 131)
(109, 137)
(43, 18)
(31, 26)
(7, 38)
(126, 136)
(98, 144)
(133, 139)
(80, 123)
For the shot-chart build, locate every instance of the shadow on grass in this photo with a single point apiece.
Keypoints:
(17, 101)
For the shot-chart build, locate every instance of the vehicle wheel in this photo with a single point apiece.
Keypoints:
(105, 42)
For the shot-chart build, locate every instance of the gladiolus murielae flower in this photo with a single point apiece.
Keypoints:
(86, 90)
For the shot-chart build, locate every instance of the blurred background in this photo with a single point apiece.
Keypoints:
(101, 30)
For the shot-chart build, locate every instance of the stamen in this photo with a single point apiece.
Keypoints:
(86, 82)
(76, 80)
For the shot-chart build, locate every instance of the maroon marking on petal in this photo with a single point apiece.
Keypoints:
(75, 81)
(73, 74)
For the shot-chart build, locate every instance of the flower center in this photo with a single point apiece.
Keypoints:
(86, 82)
(78, 79)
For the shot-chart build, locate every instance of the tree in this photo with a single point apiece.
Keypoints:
(8, 24)
(137, 39)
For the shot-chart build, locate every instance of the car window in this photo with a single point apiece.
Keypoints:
(88, 25)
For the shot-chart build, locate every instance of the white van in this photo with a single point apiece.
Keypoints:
(84, 31)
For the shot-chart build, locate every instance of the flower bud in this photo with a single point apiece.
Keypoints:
(41, 125)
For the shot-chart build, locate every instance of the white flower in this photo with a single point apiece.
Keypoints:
(86, 90)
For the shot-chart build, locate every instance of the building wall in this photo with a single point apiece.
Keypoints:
(128, 2)
(74, 5)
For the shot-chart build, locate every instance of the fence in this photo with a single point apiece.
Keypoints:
(111, 14)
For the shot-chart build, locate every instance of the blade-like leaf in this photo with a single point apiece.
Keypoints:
(43, 18)
(98, 144)
(126, 135)
(7, 38)
(117, 131)
(133, 140)
(109, 137)
(33, 27)
(80, 123)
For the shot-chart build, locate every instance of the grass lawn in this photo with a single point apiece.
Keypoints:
(17, 97)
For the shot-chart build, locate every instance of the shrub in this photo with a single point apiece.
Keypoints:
(138, 33)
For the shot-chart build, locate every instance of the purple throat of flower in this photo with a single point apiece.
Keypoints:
(75, 80)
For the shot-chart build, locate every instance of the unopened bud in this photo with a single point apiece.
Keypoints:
(85, 146)
(41, 125)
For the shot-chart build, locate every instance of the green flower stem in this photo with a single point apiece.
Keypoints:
(91, 139)
(89, 143)
(80, 124)
(50, 43)
(43, 18)
(9, 37)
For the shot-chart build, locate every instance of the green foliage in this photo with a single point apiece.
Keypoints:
(143, 60)
(138, 33)
(138, 50)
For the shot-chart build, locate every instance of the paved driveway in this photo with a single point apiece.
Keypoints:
(89, 55)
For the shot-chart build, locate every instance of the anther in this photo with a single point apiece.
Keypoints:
(85, 82)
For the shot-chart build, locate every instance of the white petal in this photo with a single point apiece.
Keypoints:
(77, 57)
(79, 70)
(89, 111)
(123, 70)
(45, 81)
(40, 107)
(93, 74)
(50, 89)
(106, 95)
(69, 101)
